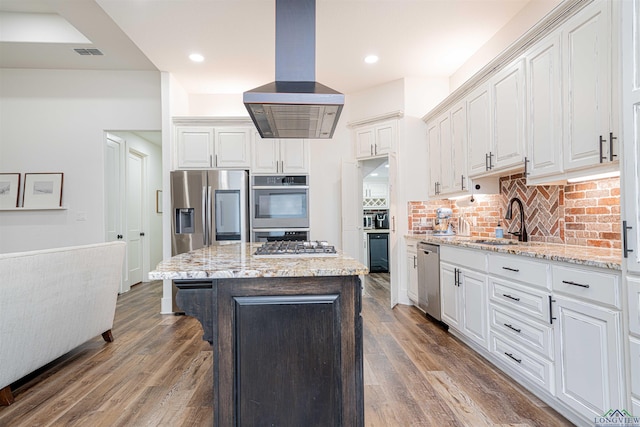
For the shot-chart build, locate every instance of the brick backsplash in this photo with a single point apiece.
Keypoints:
(584, 214)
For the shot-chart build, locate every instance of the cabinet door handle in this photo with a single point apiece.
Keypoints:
(510, 269)
(216, 161)
(119, 236)
(490, 160)
(371, 149)
(415, 261)
(486, 162)
(625, 247)
(456, 277)
(526, 169)
(513, 357)
(375, 149)
(551, 318)
(611, 155)
(602, 158)
(569, 282)
(512, 328)
(462, 182)
(511, 297)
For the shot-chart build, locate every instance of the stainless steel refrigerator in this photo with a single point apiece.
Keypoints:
(208, 207)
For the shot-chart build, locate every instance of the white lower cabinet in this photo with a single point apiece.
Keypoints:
(525, 363)
(463, 293)
(555, 327)
(588, 357)
(634, 362)
(464, 302)
(450, 300)
(412, 271)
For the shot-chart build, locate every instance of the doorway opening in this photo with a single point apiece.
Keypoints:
(376, 204)
(133, 188)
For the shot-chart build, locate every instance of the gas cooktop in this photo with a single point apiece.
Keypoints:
(292, 248)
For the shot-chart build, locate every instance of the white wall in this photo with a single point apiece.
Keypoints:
(54, 121)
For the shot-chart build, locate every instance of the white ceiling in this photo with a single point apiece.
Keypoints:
(413, 38)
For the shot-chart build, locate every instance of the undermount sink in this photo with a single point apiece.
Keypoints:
(497, 242)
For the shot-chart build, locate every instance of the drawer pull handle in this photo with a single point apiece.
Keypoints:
(569, 282)
(512, 328)
(511, 356)
(510, 297)
(510, 269)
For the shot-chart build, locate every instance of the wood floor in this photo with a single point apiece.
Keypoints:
(158, 372)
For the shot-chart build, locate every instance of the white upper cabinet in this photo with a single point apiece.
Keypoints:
(195, 147)
(479, 130)
(508, 102)
(495, 121)
(447, 142)
(232, 148)
(201, 147)
(631, 119)
(376, 139)
(544, 101)
(459, 176)
(587, 69)
(280, 156)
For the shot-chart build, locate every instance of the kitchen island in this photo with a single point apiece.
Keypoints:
(286, 333)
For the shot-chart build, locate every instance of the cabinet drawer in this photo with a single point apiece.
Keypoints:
(591, 285)
(534, 368)
(533, 335)
(470, 258)
(518, 268)
(521, 299)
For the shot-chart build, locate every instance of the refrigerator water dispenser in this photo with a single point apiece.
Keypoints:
(185, 221)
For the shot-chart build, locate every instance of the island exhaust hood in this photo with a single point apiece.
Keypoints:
(295, 105)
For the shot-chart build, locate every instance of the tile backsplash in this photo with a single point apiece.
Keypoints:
(584, 214)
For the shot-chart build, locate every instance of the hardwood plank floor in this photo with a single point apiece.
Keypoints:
(158, 372)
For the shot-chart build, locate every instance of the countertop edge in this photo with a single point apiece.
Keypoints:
(610, 259)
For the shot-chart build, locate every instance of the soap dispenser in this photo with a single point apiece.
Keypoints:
(499, 231)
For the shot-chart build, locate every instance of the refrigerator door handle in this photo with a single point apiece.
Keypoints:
(209, 227)
(204, 216)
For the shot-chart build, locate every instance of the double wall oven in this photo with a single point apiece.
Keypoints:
(280, 207)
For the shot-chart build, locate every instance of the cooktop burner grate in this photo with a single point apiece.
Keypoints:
(296, 248)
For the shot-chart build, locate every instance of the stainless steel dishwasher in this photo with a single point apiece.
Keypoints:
(429, 279)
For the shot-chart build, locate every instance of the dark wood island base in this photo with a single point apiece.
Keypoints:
(287, 351)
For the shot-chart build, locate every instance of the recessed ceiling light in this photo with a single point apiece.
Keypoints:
(196, 57)
(371, 59)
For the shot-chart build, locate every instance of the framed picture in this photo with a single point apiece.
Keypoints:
(9, 189)
(42, 190)
(159, 201)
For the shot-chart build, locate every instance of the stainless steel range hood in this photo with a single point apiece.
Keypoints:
(295, 105)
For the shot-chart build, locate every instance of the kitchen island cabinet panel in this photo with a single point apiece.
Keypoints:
(287, 350)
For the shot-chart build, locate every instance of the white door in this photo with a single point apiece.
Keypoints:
(114, 193)
(351, 197)
(135, 208)
(394, 242)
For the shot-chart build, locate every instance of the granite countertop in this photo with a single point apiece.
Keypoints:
(582, 255)
(237, 261)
